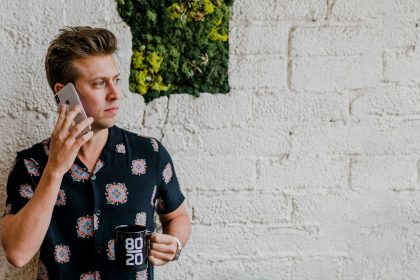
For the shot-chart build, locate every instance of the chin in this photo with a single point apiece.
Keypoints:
(104, 125)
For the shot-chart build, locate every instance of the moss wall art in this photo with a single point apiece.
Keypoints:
(179, 46)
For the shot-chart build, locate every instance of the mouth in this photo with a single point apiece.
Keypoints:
(112, 109)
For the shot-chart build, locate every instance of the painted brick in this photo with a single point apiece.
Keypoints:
(399, 30)
(149, 132)
(261, 239)
(409, 6)
(357, 10)
(335, 73)
(257, 71)
(335, 214)
(390, 101)
(180, 141)
(131, 111)
(302, 173)
(334, 41)
(272, 9)
(211, 110)
(100, 12)
(402, 66)
(243, 142)
(384, 173)
(257, 37)
(156, 112)
(217, 174)
(384, 256)
(274, 107)
(223, 239)
(371, 138)
(411, 206)
(228, 267)
(317, 267)
(239, 207)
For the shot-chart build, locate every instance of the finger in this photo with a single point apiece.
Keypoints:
(83, 139)
(156, 261)
(163, 248)
(162, 238)
(69, 118)
(61, 116)
(76, 129)
(162, 256)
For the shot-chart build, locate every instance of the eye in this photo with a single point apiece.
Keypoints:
(100, 83)
(117, 81)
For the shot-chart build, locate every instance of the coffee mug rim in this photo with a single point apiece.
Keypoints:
(138, 231)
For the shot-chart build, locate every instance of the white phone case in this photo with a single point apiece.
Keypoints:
(68, 96)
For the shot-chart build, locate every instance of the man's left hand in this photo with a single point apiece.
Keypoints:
(162, 249)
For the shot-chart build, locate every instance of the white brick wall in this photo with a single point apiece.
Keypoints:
(309, 167)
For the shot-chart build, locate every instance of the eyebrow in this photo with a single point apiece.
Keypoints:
(104, 77)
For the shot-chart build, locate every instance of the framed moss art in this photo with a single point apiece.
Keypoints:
(179, 46)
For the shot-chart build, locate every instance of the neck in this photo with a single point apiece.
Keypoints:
(91, 149)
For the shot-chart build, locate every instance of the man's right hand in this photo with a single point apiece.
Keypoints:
(63, 145)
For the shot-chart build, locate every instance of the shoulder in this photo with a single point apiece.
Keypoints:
(35, 156)
(139, 141)
(38, 150)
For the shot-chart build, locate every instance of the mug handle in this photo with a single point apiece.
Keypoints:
(148, 242)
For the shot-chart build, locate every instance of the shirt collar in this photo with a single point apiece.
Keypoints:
(114, 137)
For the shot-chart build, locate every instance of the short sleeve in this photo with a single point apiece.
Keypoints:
(169, 196)
(20, 184)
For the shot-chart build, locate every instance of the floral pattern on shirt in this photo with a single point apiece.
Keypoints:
(138, 167)
(46, 146)
(61, 198)
(91, 276)
(155, 145)
(116, 193)
(32, 167)
(98, 166)
(78, 174)
(8, 209)
(110, 250)
(120, 148)
(26, 191)
(85, 226)
(95, 222)
(141, 275)
(167, 173)
(62, 253)
(140, 219)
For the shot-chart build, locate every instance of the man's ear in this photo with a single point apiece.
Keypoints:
(57, 87)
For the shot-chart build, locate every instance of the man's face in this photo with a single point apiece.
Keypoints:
(98, 86)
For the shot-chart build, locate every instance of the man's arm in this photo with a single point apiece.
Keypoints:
(164, 246)
(22, 234)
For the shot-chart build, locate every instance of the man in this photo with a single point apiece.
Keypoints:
(67, 195)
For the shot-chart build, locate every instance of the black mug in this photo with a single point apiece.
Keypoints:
(132, 247)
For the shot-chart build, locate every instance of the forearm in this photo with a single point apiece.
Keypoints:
(180, 227)
(23, 233)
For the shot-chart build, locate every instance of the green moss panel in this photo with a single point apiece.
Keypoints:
(178, 46)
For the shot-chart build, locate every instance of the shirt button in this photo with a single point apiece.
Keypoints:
(93, 177)
(99, 250)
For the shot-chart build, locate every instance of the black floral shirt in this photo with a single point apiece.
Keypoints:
(133, 177)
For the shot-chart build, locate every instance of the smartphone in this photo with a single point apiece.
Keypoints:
(70, 98)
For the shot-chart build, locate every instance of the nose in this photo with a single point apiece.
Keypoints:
(114, 92)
